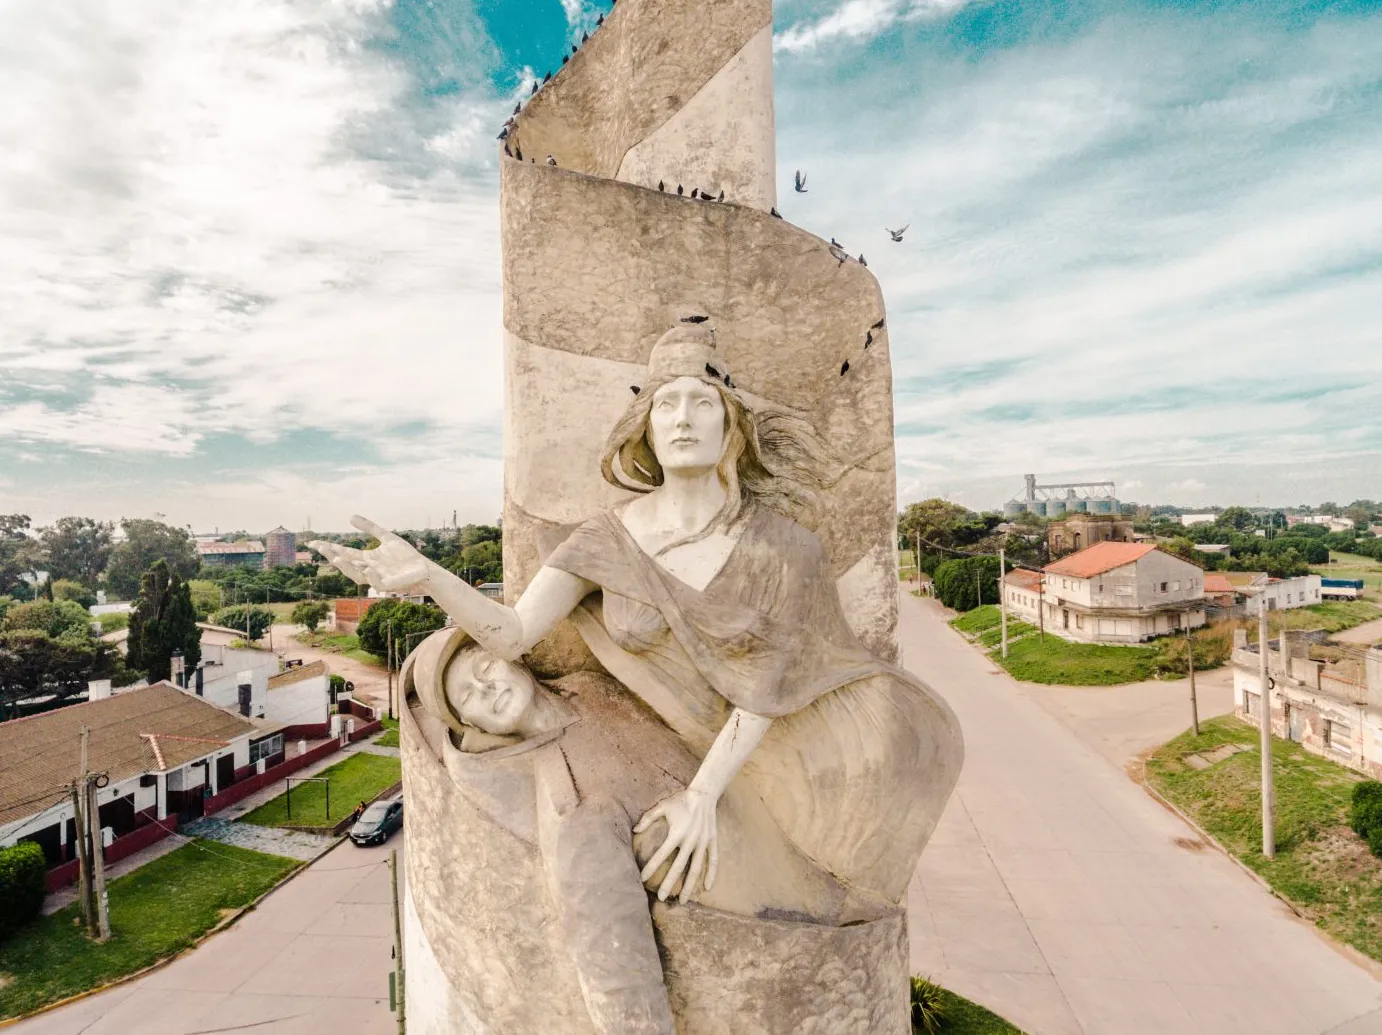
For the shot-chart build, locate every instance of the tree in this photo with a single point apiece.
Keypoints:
(967, 582)
(32, 664)
(162, 622)
(77, 548)
(481, 562)
(939, 528)
(146, 542)
(255, 619)
(66, 589)
(333, 584)
(54, 618)
(406, 617)
(18, 554)
(311, 613)
(1238, 518)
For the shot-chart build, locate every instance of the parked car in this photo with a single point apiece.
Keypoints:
(377, 822)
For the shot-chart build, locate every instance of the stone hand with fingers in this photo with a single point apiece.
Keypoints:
(394, 566)
(690, 844)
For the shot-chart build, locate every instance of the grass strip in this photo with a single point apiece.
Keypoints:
(357, 778)
(1322, 867)
(155, 912)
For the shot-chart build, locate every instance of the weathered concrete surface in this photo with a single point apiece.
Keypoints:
(1059, 893)
(313, 958)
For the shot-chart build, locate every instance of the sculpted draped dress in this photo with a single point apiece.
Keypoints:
(861, 756)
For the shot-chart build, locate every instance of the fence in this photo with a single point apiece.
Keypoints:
(121, 848)
(238, 791)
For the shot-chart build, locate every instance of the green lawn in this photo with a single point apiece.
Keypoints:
(1332, 616)
(389, 738)
(1354, 566)
(978, 620)
(1053, 660)
(965, 1018)
(1321, 866)
(156, 911)
(355, 779)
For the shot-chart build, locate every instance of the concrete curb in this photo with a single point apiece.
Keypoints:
(160, 964)
(1367, 963)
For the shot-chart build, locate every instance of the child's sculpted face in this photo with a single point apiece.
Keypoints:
(488, 692)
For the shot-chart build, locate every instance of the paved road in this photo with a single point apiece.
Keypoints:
(1057, 892)
(312, 959)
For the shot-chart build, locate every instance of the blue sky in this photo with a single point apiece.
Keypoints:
(249, 260)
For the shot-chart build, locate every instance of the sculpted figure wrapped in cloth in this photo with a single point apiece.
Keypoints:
(744, 754)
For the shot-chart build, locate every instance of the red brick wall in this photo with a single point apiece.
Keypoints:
(243, 789)
(120, 848)
(352, 609)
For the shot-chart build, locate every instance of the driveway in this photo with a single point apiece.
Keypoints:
(312, 959)
(1059, 893)
(1368, 633)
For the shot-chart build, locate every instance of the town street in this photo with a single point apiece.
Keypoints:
(1060, 894)
(313, 958)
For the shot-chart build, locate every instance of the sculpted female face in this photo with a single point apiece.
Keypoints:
(686, 425)
(488, 692)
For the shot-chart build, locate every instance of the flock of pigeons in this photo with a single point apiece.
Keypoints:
(837, 252)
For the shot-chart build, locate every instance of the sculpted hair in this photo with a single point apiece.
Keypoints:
(770, 458)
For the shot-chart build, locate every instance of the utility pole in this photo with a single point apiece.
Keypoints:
(83, 860)
(397, 939)
(388, 658)
(978, 587)
(1003, 596)
(1190, 661)
(98, 864)
(1264, 722)
(1041, 604)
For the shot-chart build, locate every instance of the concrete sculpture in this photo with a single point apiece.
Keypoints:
(706, 819)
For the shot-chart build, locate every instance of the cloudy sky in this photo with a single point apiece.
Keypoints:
(249, 254)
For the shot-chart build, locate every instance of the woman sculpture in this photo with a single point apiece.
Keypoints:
(709, 600)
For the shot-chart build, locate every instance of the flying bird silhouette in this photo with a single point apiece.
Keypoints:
(896, 235)
(799, 182)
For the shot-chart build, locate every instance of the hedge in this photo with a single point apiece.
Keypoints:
(1365, 814)
(21, 886)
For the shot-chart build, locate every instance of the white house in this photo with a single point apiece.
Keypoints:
(1112, 593)
(160, 747)
(1198, 519)
(1283, 594)
(300, 696)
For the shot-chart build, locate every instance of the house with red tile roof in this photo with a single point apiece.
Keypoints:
(1111, 592)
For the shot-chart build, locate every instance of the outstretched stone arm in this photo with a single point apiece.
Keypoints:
(690, 814)
(395, 566)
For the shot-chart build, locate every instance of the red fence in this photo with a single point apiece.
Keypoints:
(367, 730)
(350, 706)
(120, 848)
(307, 731)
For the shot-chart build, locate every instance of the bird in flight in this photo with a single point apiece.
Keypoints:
(799, 182)
(896, 235)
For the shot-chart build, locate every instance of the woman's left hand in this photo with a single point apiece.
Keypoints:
(691, 834)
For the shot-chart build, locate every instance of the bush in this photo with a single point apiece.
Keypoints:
(259, 619)
(67, 589)
(47, 616)
(1365, 813)
(310, 613)
(406, 618)
(928, 1006)
(21, 886)
(1213, 648)
(114, 620)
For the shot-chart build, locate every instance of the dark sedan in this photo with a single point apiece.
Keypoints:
(377, 822)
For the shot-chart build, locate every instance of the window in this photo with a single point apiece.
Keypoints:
(1251, 703)
(1163, 587)
(1175, 586)
(1079, 621)
(1338, 737)
(266, 748)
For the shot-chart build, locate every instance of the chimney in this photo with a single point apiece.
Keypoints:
(179, 668)
(201, 681)
(98, 689)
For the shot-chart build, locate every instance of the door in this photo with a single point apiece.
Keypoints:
(1294, 723)
(225, 772)
(1064, 619)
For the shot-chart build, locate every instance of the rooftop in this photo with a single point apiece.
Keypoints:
(1217, 582)
(1024, 579)
(297, 675)
(1099, 558)
(253, 546)
(152, 729)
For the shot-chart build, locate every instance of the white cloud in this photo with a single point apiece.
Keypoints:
(858, 19)
(200, 200)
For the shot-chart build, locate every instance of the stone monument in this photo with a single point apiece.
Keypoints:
(675, 784)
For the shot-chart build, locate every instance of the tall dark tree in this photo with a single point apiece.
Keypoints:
(146, 542)
(78, 548)
(17, 554)
(163, 620)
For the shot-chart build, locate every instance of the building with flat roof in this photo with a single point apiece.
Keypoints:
(244, 554)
